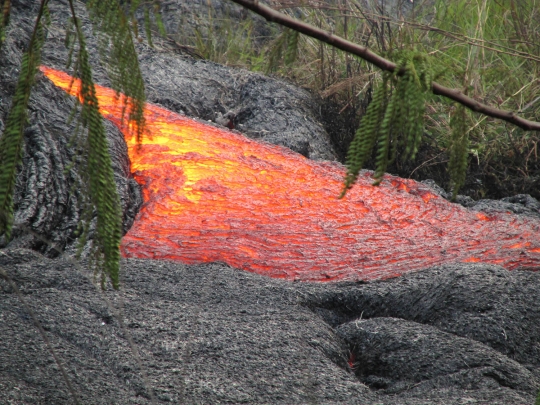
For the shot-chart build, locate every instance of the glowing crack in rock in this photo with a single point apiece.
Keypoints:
(214, 195)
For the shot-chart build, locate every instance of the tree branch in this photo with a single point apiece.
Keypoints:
(382, 63)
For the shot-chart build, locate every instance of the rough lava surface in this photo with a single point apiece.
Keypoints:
(209, 334)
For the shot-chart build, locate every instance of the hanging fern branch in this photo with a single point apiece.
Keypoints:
(117, 51)
(366, 135)
(459, 145)
(103, 194)
(286, 46)
(394, 117)
(5, 8)
(12, 138)
(115, 30)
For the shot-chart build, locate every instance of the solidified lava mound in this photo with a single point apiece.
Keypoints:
(212, 195)
(210, 334)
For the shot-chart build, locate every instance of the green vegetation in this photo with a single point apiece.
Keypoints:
(489, 50)
(11, 141)
(116, 28)
(394, 119)
(100, 176)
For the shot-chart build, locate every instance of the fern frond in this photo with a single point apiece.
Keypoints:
(415, 102)
(394, 117)
(381, 161)
(5, 6)
(366, 135)
(117, 51)
(459, 146)
(100, 176)
(11, 141)
(292, 47)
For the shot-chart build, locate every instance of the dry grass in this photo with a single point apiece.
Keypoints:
(488, 49)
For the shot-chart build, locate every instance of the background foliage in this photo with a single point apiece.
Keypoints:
(490, 50)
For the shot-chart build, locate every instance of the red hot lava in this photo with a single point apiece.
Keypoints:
(214, 195)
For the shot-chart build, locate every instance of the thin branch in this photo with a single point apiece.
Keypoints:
(382, 63)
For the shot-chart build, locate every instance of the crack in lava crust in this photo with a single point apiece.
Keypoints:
(214, 195)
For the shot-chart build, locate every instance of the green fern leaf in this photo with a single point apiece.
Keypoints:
(11, 141)
(394, 117)
(117, 51)
(99, 173)
(366, 135)
(292, 47)
(459, 146)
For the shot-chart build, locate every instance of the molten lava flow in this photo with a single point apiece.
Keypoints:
(213, 195)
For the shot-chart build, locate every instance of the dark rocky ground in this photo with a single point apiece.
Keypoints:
(460, 334)
(209, 334)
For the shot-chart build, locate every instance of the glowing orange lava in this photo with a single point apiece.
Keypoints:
(214, 195)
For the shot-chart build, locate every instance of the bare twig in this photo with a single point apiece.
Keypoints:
(382, 63)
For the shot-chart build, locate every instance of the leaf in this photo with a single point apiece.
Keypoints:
(12, 139)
